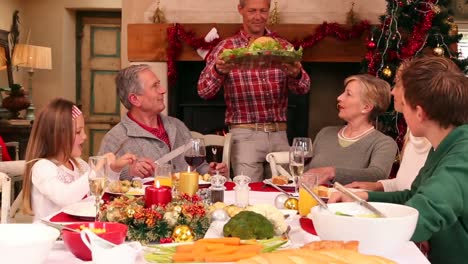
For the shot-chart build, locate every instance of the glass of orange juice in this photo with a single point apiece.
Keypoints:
(163, 174)
(306, 201)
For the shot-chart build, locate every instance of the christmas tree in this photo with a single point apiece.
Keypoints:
(409, 28)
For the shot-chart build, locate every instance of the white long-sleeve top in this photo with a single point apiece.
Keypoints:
(55, 187)
(414, 156)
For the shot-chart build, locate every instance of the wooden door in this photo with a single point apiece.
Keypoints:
(98, 65)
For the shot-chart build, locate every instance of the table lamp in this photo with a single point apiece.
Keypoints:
(32, 57)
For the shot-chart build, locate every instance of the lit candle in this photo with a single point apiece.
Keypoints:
(157, 195)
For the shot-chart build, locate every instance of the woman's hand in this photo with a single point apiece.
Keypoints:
(325, 174)
(337, 197)
(142, 168)
(370, 186)
(221, 167)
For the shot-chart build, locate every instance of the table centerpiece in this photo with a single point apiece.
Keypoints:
(183, 219)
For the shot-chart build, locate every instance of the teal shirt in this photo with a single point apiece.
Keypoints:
(440, 194)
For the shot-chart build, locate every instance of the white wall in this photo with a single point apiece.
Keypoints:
(52, 24)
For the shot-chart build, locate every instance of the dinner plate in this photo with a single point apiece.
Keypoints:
(202, 182)
(85, 210)
(288, 186)
(131, 191)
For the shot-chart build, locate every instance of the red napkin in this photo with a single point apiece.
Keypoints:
(307, 225)
(63, 217)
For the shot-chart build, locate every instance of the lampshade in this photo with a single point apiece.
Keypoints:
(34, 57)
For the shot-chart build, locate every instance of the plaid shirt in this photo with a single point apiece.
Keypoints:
(251, 95)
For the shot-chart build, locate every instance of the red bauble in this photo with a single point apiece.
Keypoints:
(371, 45)
(401, 3)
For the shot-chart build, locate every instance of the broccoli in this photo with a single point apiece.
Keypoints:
(249, 225)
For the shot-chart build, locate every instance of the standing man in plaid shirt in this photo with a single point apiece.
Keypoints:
(256, 99)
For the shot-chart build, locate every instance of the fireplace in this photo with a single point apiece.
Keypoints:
(307, 114)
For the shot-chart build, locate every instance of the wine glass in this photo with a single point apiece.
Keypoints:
(306, 144)
(296, 164)
(97, 177)
(196, 153)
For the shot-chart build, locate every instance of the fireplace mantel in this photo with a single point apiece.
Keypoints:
(148, 42)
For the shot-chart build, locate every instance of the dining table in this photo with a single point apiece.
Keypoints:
(301, 232)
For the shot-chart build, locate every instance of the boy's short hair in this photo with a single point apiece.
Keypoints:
(438, 86)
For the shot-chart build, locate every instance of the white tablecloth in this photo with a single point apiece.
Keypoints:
(407, 254)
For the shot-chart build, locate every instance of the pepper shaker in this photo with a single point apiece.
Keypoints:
(217, 188)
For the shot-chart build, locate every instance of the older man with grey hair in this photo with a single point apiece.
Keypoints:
(143, 130)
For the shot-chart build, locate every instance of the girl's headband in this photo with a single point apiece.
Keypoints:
(75, 112)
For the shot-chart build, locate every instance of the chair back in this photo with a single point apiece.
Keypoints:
(215, 143)
(15, 146)
(10, 172)
(276, 159)
(5, 183)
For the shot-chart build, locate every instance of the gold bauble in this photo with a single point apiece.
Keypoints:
(182, 233)
(291, 204)
(387, 72)
(438, 51)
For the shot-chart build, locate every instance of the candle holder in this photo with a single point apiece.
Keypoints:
(242, 190)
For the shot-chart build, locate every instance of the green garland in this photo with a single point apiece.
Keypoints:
(156, 225)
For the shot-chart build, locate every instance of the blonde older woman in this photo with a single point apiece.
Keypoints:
(356, 151)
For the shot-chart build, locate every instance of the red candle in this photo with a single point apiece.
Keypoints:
(157, 195)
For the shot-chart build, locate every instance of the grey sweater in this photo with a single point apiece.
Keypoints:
(144, 144)
(368, 159)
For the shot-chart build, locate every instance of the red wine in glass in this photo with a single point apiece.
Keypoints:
(307, 160)
(194, 161)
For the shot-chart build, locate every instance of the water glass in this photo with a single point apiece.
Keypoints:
(97, 177)
(306, 201)
(296, 164)
(163, 174)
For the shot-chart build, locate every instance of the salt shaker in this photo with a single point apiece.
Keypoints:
(217, 188)
(242, 190)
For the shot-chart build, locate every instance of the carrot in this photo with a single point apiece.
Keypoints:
(183, 257)
(217, 246)
(250, 248)
(185, 248)
(222, 240)
(229, 258)
(223, 251)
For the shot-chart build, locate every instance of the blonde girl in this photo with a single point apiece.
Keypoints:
(55, 175)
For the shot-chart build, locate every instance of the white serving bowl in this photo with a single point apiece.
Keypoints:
(375, 235)
(26, 243)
